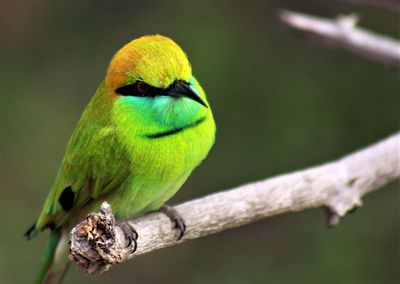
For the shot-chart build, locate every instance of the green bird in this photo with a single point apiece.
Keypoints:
(146, 128)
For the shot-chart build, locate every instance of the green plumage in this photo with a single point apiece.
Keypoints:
(135, 151)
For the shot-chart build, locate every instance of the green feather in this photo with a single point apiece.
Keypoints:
(135, 152)
(48, 256)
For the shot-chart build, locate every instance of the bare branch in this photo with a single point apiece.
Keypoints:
(98, 242)
(343, 33)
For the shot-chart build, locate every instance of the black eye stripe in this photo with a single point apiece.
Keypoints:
(142, 89)
(126, 90)
(129, 90)
(139, 89)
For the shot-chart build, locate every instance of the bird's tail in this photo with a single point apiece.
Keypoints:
(55, 261)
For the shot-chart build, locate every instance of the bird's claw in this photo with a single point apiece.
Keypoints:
(130, 234)
(132, 240)
(175, 218)
(180, 225)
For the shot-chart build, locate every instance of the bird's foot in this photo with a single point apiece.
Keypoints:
(176, 218)
(130, 234)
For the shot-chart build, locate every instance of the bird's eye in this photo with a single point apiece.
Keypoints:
(143, 88)
(138, 89)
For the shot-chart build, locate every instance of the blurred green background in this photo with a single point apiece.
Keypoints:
(281, 104)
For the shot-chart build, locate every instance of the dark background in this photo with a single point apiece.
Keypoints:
(281, 104)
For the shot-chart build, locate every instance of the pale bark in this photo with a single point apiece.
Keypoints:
(343, 33)
(98, 243)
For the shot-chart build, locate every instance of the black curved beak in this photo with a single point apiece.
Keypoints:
(182, 89)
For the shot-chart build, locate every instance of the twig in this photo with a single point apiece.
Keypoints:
(98, 243)
(343, 33)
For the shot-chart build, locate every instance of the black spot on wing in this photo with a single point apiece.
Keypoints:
(67, 199)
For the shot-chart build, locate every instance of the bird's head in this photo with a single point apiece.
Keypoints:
(150, 80)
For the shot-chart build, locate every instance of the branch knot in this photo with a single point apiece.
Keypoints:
(94, 245)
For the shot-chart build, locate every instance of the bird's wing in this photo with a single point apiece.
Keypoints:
(95, 163)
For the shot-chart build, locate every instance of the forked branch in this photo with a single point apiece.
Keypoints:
(343, 33)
